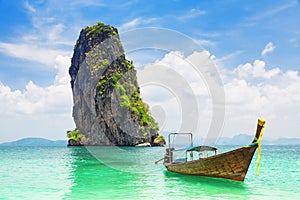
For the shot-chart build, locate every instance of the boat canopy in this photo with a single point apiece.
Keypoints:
(198, 148)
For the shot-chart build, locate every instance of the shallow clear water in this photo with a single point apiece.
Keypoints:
(130, 173)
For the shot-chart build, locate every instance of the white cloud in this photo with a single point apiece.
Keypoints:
(131, 24)
(228, 56)
(205, 42)
(270, 47)
(62, 66)
(208, 34)
(273, 11)
(251, 90)
(257, 70)
(180, 89)
(29, 7)
(191, 14)
(273, 96)
(48, 28)
(49, 32)
(38, 103)
(184, 66)
(55, 32)
(35, 99)
(32, 52)
(136, 22)
(82, 3)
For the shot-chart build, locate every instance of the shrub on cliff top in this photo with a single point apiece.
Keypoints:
(94, 31)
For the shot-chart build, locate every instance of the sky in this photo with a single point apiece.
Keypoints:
(254, 46)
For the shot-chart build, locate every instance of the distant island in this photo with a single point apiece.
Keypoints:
(240, 139)
(40, 142)
(243, 139)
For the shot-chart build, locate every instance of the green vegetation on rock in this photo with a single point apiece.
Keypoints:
(95, 30)
(111, 80)
(160, 139)
(133, 101)
(129, 64)
(76, 136)
(141, 109)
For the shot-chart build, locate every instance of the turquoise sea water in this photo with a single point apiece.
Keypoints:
(130, 173)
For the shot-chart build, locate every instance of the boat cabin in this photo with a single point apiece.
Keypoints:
(188, 153)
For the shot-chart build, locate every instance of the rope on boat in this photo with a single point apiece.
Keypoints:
(159, 160)
(261, 122)
(256, 141)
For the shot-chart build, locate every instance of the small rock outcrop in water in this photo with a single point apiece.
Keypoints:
(159, 141)
(108, 109)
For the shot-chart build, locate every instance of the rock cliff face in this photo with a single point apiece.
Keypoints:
(108, 109)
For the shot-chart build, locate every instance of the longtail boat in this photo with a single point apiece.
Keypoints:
(230, 165)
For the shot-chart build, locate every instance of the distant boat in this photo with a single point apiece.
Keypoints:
(204, 160)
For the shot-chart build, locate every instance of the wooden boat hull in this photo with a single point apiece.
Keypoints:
(230, 165)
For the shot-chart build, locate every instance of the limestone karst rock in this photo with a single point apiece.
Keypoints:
(108, 109)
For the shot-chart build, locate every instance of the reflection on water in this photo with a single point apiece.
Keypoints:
(109, 172)
(205, 186)
(93, 179)
(119, 175)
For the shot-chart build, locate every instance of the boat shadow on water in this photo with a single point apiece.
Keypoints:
(204, 180)
(189, 186)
